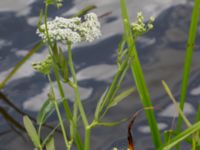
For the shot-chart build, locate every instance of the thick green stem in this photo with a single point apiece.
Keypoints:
(59, 116)
(188, 57)
(87, 138)
(139, 78)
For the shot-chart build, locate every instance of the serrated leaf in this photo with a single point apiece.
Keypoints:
(121, 97)
(31, 131)
(50, 144)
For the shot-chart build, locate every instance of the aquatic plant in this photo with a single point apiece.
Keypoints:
(74, 30)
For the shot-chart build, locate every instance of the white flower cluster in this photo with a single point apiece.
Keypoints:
(71, 30)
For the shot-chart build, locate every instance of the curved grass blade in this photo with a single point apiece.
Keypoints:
(19, 64)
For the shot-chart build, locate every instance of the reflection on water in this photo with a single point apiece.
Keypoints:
(161, 52)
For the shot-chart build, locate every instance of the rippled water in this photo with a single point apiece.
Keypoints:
(161, 52)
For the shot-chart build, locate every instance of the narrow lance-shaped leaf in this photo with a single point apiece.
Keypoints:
(175, 104)
(50, 144)
(110, 124)
(121, 97)
(31, 131)
(50, 135)
(99, 105)
(47, 109)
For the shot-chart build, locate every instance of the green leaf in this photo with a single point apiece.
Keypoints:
(182, 136)
(110, 124)
(46, 110)
(50, 144)
(99, 104)
(63, 63)
(50, 135)
(85, 10)
(121, 97)
(40, 21)
(31, 131)
(178, 109)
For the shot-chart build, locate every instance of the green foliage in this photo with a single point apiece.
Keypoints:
(182, 136)
(127, 58)
(188, 57)
(139, 77)
(31, 132)
(50, 144)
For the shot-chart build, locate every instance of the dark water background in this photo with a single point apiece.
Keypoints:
(161, 52)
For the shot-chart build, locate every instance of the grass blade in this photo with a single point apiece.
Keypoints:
(139, 79)
(175, 104)
(19, 64)
(182, 136)
(188, 57)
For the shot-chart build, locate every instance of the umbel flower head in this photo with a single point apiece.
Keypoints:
(139, 27)
(71, 30)
(43, 66)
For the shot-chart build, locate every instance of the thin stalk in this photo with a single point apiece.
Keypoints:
(139, 78)
(45, 24)
(193, 142)
(115, 85)
(188, 58)
(77, 95)
(78, 103)
(59, 116)
(67, 109)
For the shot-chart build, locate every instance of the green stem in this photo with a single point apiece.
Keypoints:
(114, 87)
(188, 56)
(45, 24)
(59, 116)
(77, 103)
(67, 110)
(139, 78)
(87, 138)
